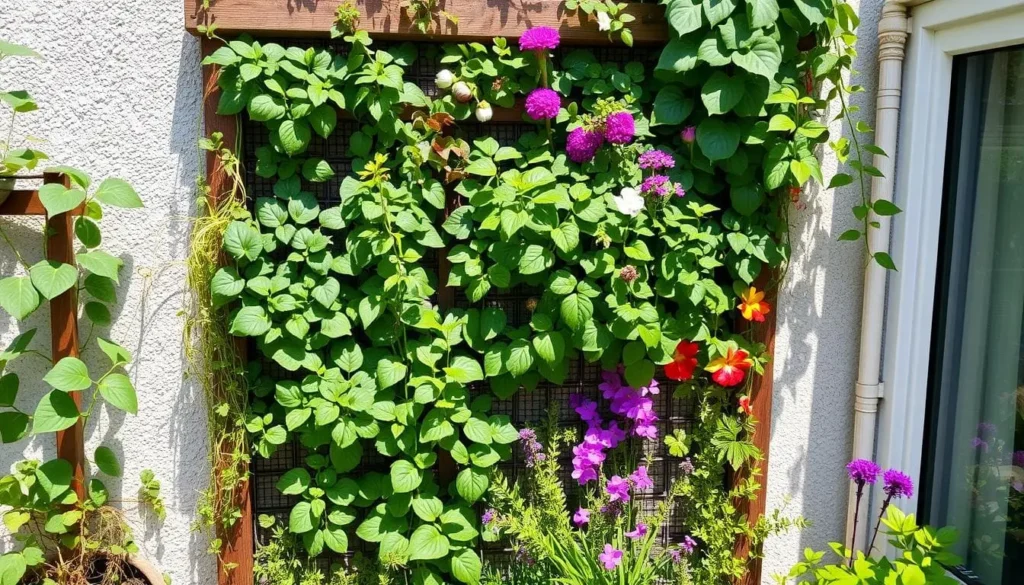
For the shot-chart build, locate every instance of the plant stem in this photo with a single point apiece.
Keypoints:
(856, 518)
(542, 61)
(878, 524)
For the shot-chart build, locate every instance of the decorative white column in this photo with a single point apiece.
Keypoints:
(892, 40)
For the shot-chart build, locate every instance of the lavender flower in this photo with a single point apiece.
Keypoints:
(531, 447)
(863, 471)
(656, 160)
(581, 144)
(686, 466)
(619, 128)
(688, 545)
(543, 104)
(677, 555)
(897, 484)
(539, 38)
(488, 516)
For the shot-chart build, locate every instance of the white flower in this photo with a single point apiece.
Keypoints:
(604, 22)
(462, 92)
(444, 79)
(629, 202)
(484, 112)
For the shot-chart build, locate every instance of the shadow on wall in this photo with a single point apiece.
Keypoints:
(818, 344)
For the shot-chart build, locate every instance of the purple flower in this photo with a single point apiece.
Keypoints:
(618, 489)
(863, 471)
(531, 447)
(611, 557)
(657, 185)
(656, 160)
(588, 412)
(688, 545)
(638, 533)
(1018, 486)
(581, 517)
(488, 516)
(1018, 458)
(543, 104)
(897, 484)
(619, 128)
(979, 443)
(581, 144)
(676, 554)
(641, 480)
(689, 134)
(539, 38)
(686, 466)
(612, 509)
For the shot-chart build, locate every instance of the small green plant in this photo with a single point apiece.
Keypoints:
(423, 12)
(346, 17)
(610, 15)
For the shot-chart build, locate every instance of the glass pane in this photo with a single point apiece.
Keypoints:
(975, 478)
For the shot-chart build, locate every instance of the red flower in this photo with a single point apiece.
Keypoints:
(745, 405)
(683, 362)
(731, 368)
(753, 306)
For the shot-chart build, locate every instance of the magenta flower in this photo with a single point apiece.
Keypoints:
(581, 144)
(581, 517)
(619, 128)
(531, 447)
(688, 545)
(676, 554)
(688, 135)
(897, 484)
(539, 38)
(656, 160)
(543, 104)
(610, 558)
(638, 533)
(640, 479)
(618, 489)
(1018, 458)
(588, 412)
(488, 516)
(863, 471)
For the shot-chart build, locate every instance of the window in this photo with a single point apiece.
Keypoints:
(973, 475)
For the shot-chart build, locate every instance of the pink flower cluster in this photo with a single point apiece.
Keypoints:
(661, 186)
(543, 104)
(633, 404)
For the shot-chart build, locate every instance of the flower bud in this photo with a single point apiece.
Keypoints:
(689, 134)
(462, 92)
(484, 112)
(628, 273)
(444, 79)
(531, 304)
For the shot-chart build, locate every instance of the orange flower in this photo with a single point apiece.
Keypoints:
(731, 368)
(745, 405)
(684, 360)
(753, 307)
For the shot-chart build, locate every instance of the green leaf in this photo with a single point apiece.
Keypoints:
(483, 167)
(58, 199)
(390, 372)
(52, 278)
(427, 543)
(88, 232)
(576, 310)
(535, 259)
(12, 564)
(671, 106)
(106, 460)
(55, 412)
(405, 477)
(294, 482)
(550, 346)
(781, 123)
(264, 107)
(478, 430)
(114, 352)
(117, 390)
(850, 236)
(323, 119)
(118, 193)
(13, 426)
(100, 263)
(718, 140)
(466, 566)
(18, 346)
(471, 483)
(54, 477)
(8, 389)
(18, 297)
(427, 508)
(301, 519)
(101, 288)
(762, 58)
(885, 207)
(679, 55)
(251, 321)
(885, 260)
(721, 93)
(69, 374)
(718, 10)
(762, 13)
(746, 199)
(520, 357)
(97, 492)
(294, 136)
(683, 16)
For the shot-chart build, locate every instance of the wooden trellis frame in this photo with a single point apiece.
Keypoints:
(63, 309)
(479, 20)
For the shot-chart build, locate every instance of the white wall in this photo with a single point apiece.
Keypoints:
(816, 349)
(119, 91)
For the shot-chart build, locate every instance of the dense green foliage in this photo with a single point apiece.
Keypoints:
(342, 300)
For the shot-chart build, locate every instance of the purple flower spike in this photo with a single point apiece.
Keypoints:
(897, 484)
(539, 38)
(581, 145)
(656, 160)
(863, 471)
(488, 516)
(619, 128)
(543, 104)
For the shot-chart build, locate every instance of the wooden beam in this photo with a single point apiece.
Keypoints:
(60, 247)
(478, 20)
(761, 404)
(26, 202)
(235, 563)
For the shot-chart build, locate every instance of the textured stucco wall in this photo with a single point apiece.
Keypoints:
(120, 93)
(816, 348)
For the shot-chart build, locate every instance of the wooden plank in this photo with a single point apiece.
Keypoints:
(478, 20)
(238, 544)
(60, 247)
(761, 404)
(26, 202)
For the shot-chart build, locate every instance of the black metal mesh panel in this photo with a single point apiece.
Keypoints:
(525, 408)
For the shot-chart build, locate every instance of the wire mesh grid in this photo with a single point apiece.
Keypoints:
(525, 407)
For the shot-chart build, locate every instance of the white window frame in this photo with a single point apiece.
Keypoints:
(939, 31)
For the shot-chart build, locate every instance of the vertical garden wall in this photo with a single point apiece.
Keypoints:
(455, 262)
